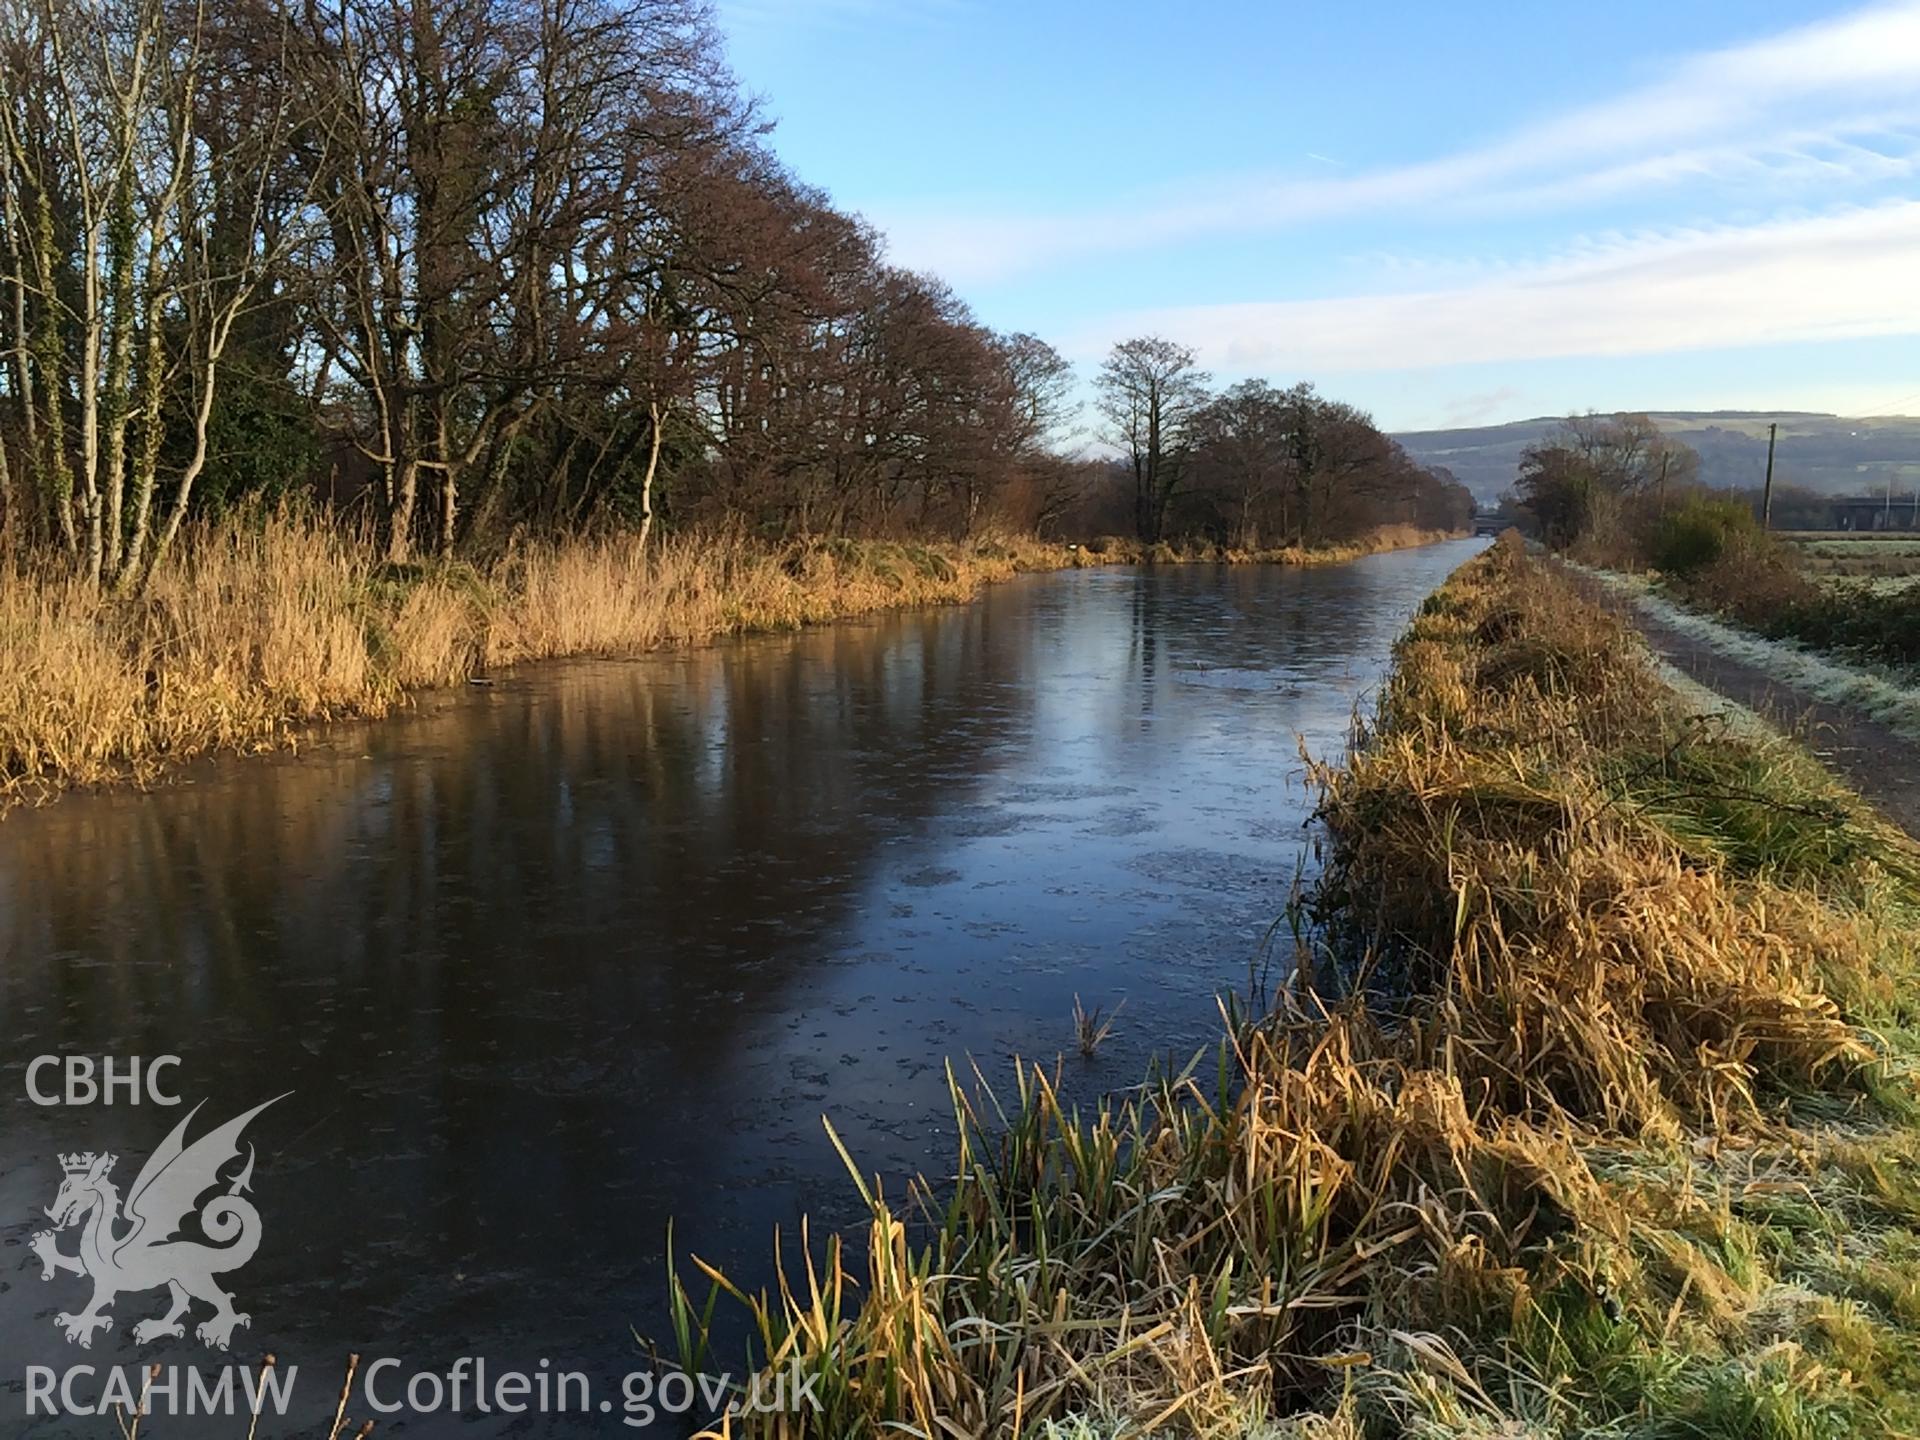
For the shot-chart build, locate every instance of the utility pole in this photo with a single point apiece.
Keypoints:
(1766, 494)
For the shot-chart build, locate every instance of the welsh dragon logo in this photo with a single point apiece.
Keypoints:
(138, 1250)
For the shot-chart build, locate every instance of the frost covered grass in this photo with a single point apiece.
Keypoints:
(1882, 693)
(1826, 556)
(1878, 585)
(1589, 1110)
(1855, 599)
(1739, 720)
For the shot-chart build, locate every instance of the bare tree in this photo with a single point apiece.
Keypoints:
(528, 258)
(111, 208)
(1242, 458)
(1149, 390)
(1626, 454)
(1574, 480)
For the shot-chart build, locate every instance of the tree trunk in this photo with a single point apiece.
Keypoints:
(646, 481)
(405, 484)
(9, 507)
(449, 480)
(92, 336)
(202, 415)
(152, 431)
(449, 507)
(119, 381)
(21, 355)
(56, 472)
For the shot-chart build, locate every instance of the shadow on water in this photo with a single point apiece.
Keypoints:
(549, 963)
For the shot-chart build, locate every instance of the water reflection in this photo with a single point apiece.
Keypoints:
(550, 962)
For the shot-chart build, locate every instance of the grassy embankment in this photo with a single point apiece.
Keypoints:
(257, 629)
(1589, 1110)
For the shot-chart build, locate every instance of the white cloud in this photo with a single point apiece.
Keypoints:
(1869, 150)
(1845, 275)
(1827, 104)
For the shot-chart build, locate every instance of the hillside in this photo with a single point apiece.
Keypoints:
(1830, 453)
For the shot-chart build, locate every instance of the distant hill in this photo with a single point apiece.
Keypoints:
(1827, 453)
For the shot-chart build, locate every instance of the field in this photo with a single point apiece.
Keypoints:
(1829, 555)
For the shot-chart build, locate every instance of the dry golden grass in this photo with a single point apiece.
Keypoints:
(1588, 1110)
(260, 627)
(251, 629)
(1592, 966)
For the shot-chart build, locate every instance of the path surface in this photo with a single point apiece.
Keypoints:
(1876, 760)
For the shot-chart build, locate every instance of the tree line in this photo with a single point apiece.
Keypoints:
(1254, 466)
(474, 266)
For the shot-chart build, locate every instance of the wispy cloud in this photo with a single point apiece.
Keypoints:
(1474, 409)
(1811, 110)
(1844, 275)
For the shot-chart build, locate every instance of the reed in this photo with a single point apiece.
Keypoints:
(1588, 1110)
(129, 1420)
(1091, 1027)
(266, 624)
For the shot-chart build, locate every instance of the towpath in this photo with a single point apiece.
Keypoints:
(1877, 760)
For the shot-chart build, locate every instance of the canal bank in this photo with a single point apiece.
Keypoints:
(264, 627)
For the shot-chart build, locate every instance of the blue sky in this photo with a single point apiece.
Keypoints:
(1452, 213)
